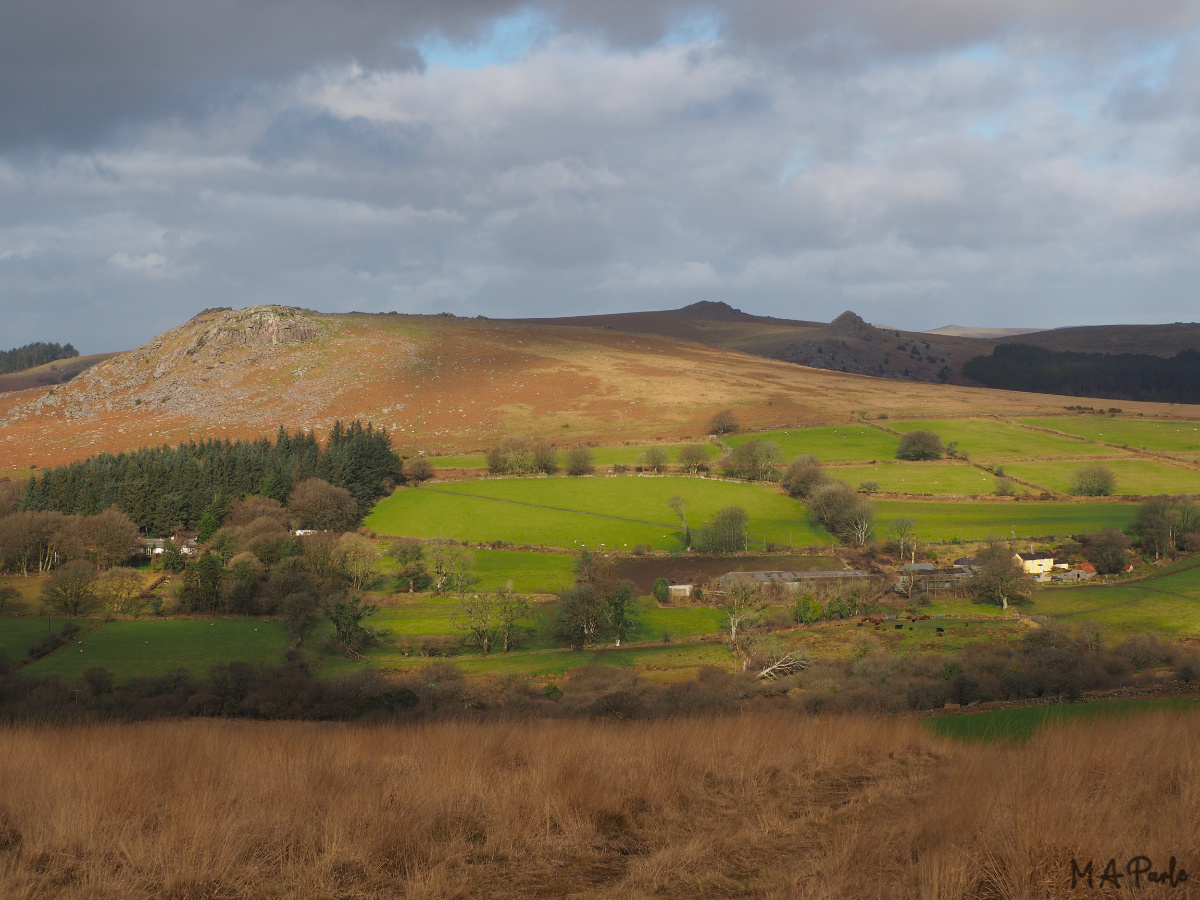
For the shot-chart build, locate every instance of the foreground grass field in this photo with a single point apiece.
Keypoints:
(572, 512)
(130, 649)
(752, 805)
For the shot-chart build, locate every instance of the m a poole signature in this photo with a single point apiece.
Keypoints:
(1138, 869)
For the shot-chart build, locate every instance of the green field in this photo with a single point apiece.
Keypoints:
(438, 616)
(1168, 605)
(947, 520)
(614, 513)
(840, 443)
(927, 478)
(992, 439)
(149, 647)
(530, 573)
(17, 635)
(1020, 723)
(601, 456)
(1181, 438)
(1137, 477)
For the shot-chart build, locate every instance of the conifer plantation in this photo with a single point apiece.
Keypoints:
(160, 488)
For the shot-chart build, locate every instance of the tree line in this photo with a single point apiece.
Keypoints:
(164, 488)
(1116, 376)
(36, 354)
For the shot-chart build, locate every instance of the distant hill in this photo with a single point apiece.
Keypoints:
(1157, 340)
(446, 384)
(985, 333)
(57, 372)
(36, 354)
(848, 344)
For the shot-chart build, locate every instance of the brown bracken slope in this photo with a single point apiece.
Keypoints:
(440, 383)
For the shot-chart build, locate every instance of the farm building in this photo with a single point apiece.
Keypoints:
(930, 577)
(1082, 572)
(1035, 562)
(680, 591)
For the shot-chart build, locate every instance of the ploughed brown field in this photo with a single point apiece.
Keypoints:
(758, 805)
(442, 384)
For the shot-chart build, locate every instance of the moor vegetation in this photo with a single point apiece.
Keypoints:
(756, 804)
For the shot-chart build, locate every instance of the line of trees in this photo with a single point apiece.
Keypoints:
(165, 487)
(831, 503)
(1124, 376)
(36, 354)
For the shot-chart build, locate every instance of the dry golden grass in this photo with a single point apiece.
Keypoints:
(762, 805)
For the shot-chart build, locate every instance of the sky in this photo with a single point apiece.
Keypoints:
(1025, 163)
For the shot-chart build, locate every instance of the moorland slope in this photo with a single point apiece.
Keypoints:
(441, 383)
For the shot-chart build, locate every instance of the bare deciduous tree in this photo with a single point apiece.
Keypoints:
(120, 590)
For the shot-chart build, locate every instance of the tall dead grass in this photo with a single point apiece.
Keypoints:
(756, 805)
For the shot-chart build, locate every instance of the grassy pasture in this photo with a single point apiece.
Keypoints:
(1137, 477)
(950, 477)
(29, 590)
(992, 439)
(1168, 605)
(835, 443)
(946, 520)
(573, 512)
(1180, 438)
(17, 635)
(601, 456)
(530, 573)
(194, 644)
(1020, 723)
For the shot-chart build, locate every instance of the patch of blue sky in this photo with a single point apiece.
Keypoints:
(796, 163)
(699, 27)
(508, 40)
(988, 127)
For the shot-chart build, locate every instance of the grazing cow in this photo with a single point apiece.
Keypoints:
(941, 631)
(899, 626)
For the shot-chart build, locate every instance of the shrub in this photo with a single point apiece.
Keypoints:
(724, 423)
(418, 469)
(919, 445)
(1093, 481)
(661, 591)
(1005, 487)
(654, 459)
(754, 461)
(693, 459)
(578, 461)
(726, 531)
(803, 476)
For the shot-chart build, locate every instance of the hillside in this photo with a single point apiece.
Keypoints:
(847, 344)
(440, 383)
(1159, 340)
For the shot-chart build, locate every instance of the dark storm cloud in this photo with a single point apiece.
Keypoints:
(1005, 163)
